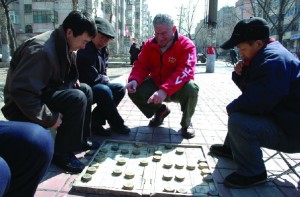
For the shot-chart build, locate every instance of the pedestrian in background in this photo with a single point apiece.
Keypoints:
(233, 56)
(134, 53)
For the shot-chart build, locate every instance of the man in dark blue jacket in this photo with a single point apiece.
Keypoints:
(26, 150)
(92, 65)
(267, 113)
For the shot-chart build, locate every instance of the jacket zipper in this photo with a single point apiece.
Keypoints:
(161, 64)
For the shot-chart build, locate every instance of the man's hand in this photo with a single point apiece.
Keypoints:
(105, 79)
(157, 97)
(131, 86)
(58, 122)
(77, 84)
(239, 67)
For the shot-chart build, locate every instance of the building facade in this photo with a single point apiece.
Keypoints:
(129, 17)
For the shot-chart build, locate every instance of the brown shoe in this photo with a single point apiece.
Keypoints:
(188, 133)
(159, 116)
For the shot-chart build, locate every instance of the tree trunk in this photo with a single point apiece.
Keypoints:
(9, 27)
(74, 5)
(4, 36)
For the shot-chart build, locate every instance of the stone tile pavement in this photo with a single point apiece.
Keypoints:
(210, 123)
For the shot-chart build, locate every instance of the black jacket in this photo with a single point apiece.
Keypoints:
(92, 64)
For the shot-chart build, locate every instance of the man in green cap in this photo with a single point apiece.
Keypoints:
(92, 64)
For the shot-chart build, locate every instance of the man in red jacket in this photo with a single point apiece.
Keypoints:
(165, 71)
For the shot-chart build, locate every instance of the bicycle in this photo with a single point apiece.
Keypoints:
(229, 63)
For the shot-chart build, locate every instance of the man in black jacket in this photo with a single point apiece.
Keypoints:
(92, 64)
(134, 53)
(42, 87)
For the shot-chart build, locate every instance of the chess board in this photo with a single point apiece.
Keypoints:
(126, 168)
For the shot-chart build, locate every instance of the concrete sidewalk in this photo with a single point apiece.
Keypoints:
(210, 123)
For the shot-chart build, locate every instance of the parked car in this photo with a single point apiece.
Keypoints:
(201, 57)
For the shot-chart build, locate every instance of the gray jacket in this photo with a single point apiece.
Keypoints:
(41, 64)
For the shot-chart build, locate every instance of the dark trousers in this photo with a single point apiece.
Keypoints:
(75, 106)
(248, 133)
(107, 98)
(26, 151)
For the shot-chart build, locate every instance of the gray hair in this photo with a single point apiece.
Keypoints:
(163, 19)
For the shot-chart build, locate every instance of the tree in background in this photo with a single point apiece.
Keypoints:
(74, 5)
(282, 15)
(187, 13)
(8, 31)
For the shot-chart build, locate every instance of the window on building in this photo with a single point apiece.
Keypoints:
(45, 16)
(14, 17)
(27, 8)
(28, 29)
(129, 2)
(129, 15)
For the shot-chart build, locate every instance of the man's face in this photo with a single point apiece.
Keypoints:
(77, 42)
(248, 51)
(100, 40)
(164, 34)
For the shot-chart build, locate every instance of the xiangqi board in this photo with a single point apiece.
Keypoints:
(138, 169)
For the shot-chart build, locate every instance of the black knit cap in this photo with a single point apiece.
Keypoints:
(104, 27)
(254, 28)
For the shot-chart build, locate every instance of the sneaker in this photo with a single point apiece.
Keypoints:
(159, 116)
(236, 180)
(99, 130)
(188, 133)
(121, 130)
(221, 150)
(68, 162)
(89, 145)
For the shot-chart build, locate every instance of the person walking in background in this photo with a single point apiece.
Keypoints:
(142, 46)
(164, 72)
(134, 53)
(92, 63)
(42, 87)
(233, 56)
(267, 113)
(26, 150)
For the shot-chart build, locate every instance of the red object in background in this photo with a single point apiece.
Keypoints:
(126, 31)
(210, 50)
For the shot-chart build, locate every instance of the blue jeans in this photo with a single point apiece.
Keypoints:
(107, 97)
(26, 151)
(247, 134)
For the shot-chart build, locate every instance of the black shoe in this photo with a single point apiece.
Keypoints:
(188, 133)
(121, 130)
(89, 145)
(221, 150)
(99, 130)
(159, 116)
(68, 162)
(236, 180)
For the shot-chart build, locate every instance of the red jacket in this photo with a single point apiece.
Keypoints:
(169, 70)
